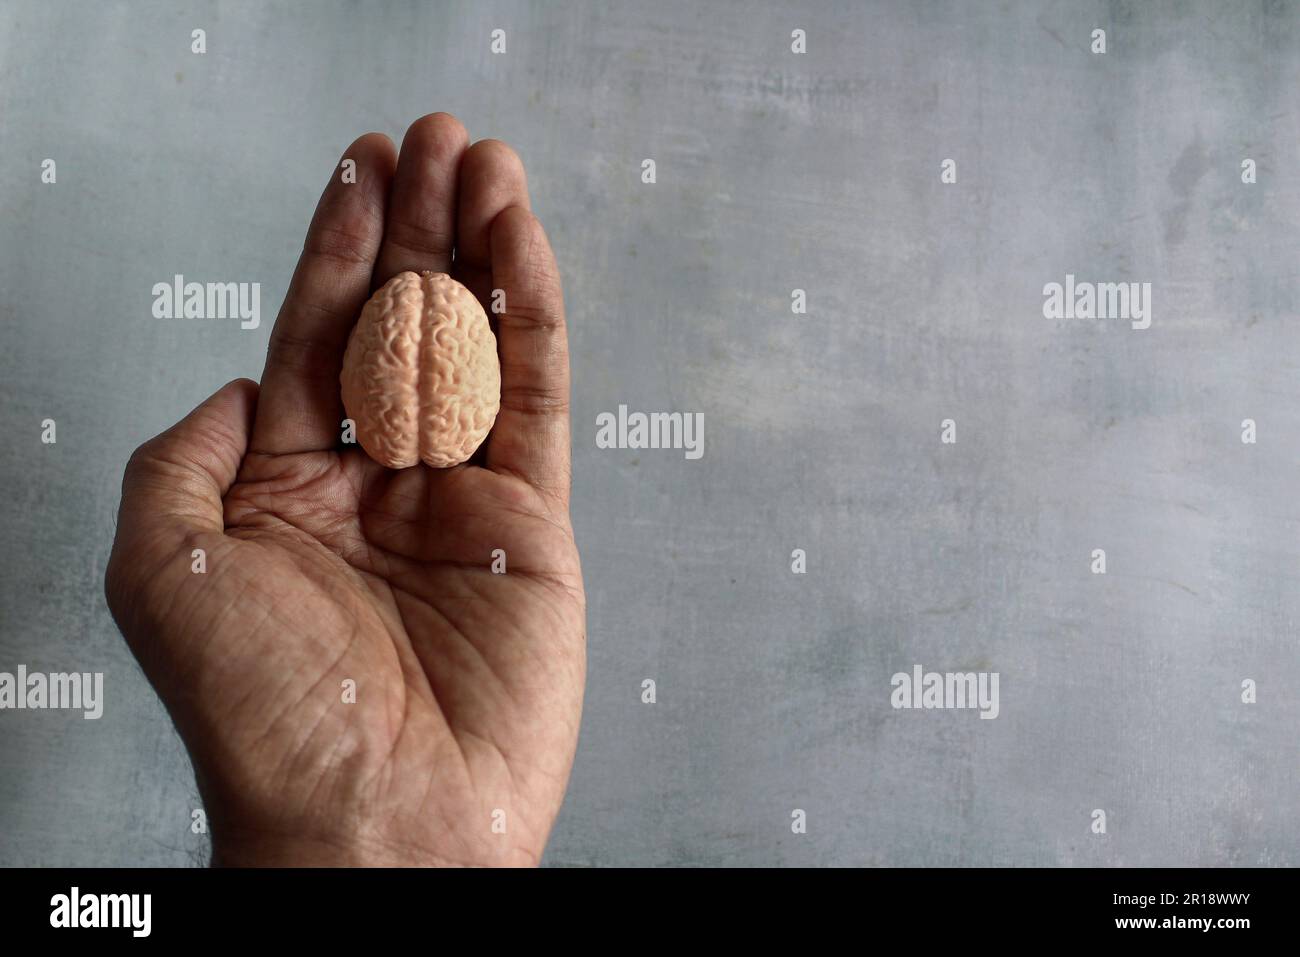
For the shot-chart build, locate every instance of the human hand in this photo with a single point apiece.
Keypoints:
(324, 567)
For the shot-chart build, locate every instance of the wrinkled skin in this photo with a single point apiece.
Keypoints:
(324, 569)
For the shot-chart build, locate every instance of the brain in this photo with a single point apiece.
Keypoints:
(420, 376)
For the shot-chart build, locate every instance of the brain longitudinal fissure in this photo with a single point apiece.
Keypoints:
(421, 378)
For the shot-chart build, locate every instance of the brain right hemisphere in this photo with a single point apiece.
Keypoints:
(420, 376)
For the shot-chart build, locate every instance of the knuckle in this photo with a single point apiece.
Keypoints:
(420, 238)
(532, 317)
(535, 399)
(143, 458)
(302, 355)
(337, 243)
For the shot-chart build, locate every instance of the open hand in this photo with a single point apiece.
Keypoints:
(324, 568)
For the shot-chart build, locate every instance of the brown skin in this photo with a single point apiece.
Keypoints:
(323, 566)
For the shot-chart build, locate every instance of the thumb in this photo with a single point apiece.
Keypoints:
(174, 483)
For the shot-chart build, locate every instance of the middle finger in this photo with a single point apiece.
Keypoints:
(421, 227)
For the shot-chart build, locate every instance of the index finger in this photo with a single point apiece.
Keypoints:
(300, 409)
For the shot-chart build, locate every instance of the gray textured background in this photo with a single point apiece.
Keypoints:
(775, 171)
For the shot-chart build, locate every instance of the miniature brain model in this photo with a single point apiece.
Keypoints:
(420, 376)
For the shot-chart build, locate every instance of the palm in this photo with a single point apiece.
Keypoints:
(354, 675)
(347, 571)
